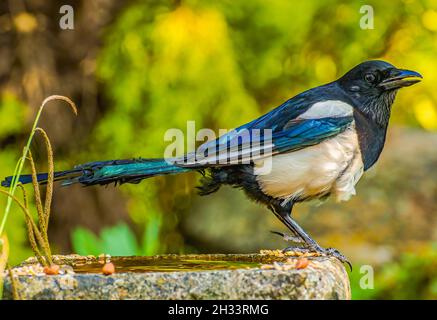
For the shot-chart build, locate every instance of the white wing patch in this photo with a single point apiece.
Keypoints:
(326, 109)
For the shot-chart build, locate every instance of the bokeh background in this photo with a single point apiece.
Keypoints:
(138, 68)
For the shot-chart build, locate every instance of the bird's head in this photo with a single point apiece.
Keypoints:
(373, 86)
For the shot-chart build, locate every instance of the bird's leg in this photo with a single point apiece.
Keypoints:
(288, 237)
(283, 213)
(294, 237)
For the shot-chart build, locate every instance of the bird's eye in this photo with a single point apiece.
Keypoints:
(370, 77)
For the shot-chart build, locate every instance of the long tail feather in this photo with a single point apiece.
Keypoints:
(41, 177)
(105, 172)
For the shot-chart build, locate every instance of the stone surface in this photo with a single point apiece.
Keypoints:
(274, 277)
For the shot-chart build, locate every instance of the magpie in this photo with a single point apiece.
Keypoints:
(319, 144)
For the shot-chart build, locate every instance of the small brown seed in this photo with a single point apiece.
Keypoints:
(108, 268)
(51, 270)
(302, 263)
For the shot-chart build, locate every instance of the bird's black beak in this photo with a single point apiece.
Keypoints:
(398, 78)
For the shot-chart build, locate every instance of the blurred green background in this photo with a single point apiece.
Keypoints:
(138, 68)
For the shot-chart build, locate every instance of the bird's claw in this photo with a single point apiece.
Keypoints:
(332, 252)
(307, 248)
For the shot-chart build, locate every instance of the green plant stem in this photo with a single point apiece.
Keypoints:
(16, 177)
(11, 190)
(20, 163)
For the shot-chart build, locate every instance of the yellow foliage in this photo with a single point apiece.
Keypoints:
(426, 114)
(326, 69)
(25, 22)
(429, 20)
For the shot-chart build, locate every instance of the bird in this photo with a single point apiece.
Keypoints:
(318, 144)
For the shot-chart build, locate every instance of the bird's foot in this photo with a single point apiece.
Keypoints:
(311, 250)
(332, 252)
(288, 237)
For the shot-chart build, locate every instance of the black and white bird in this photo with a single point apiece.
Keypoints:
(321, 142)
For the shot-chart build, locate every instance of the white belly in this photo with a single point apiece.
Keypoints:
(333, 166)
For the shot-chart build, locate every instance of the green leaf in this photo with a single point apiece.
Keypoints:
(85, 242)
(150, 241)
(119, 241)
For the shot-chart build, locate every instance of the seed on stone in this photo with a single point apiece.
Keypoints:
(108, 269)
(51, 270)
(302, 263)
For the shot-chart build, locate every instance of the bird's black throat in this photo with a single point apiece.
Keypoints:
(371, 120)
(378, 108)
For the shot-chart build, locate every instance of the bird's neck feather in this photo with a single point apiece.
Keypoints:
(378, 109)
(371, 138)
(371, 120)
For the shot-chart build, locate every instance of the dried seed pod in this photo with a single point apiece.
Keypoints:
(51, 270)
(108, 268)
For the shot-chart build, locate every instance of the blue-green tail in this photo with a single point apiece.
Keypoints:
(105, 172)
